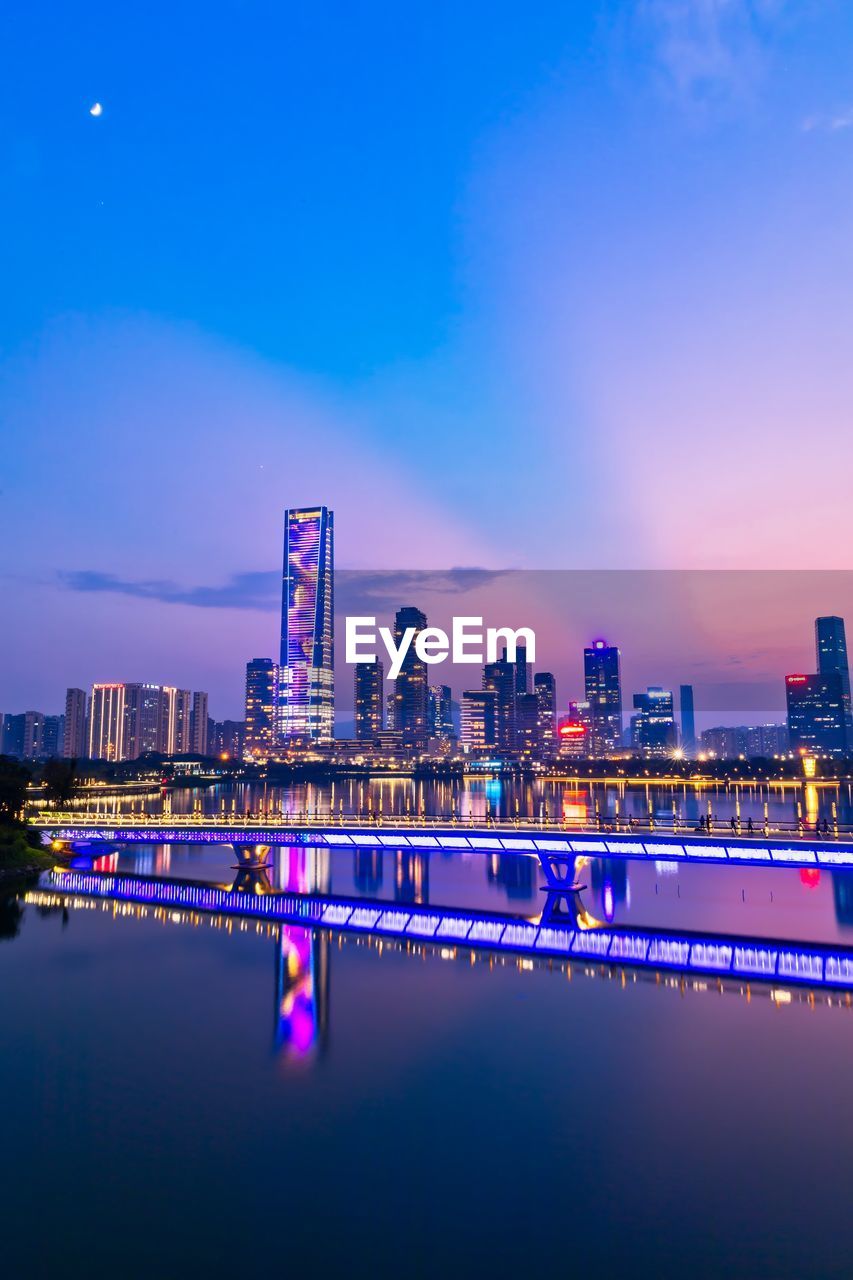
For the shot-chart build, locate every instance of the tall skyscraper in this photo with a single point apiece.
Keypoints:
(831, 650)
(500, 678)
(225, 738)
(410, 687)
(688, 718)
(527, 738)
(74, 738)
(176, 738)
(261, 700)
(653, 727)
(199, 725)
(522, 670)
(439, 712)
(816, 715)
(603, 686)
(369, 710)
(479, 720)
(107, 722)
(545, 688)
(147, 714)
(307, 679)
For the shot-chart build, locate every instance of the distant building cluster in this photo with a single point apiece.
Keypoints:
(509, 714)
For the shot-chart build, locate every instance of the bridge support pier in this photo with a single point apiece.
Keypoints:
(252, 857)
(251, 880)
(559, 870)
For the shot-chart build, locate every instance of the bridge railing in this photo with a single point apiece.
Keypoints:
(300, 820)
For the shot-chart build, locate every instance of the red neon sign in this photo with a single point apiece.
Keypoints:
(796, 679)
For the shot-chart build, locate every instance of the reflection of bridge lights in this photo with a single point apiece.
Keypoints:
(607, 901)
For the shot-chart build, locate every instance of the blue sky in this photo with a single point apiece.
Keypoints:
(563, 286)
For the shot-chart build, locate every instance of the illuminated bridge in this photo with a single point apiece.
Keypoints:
(565, 931)
(553, 844)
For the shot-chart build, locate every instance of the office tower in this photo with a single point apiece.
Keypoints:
(199, 722)
(74, 738)
(500, 678)
(261, 700)
(831, 649)
(574, 732)
(307, 679)
(439, 712)
(688, 718)
(368, 700)
(653, 726)
(225, 739)
(816, 714)
(522, 670)
(603, 687)
(765, 740)
(176, 734)
(107, 722)
(12, 738)
(390, 710)
(479, 720)
(527, 737)
(52, 737)
(545, 688)
(29, 736)
(147, 710)
(410, 687)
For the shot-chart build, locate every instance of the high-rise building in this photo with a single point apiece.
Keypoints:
(261, 700)
(479, 720)
(603, 687)
(199, 722)
(500, 678)
(545, 688)
(527, 735)
(368, 700)
(688, 718)
(107, 722)
(30, 735)
(225, 739)
(52, 737)
(410, 687)
(74, 737)
(307, 679)
(440, 712)
(522, 670)
(176, 739)
(12, 739)
(831, 650)
(816, 714)
(574, 732)
(147, 709)
(653, 727)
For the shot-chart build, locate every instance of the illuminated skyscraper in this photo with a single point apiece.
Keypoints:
(479, 720)
(368, 700)
(831, 649)
(307, 667)
(545, 688)
(177, 721)
(410, 687)
(107, 722)
(439, 712)
(688, 718)
(603, 684)
(653, 729)
(816, 718)
(261, 696)
(500, 678)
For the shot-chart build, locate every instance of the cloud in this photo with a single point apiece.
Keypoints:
(257, 590)
(710, 49)
(261, 589)
(828, 123)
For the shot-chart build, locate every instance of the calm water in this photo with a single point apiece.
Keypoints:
(188, 1097)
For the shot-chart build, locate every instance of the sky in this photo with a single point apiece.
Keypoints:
(563, 286)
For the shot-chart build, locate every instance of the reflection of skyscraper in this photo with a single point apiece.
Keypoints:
(261, 686)
(368, 700)
(307, 682)
(603, 686)
(831, 648)
(367, 870)
(302, 991)
(410, 687)
(515, 874)
(411, 876)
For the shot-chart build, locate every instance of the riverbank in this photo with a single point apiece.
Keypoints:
(21, 851)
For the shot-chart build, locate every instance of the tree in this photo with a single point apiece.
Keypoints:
(59, 779)
(13, 788)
